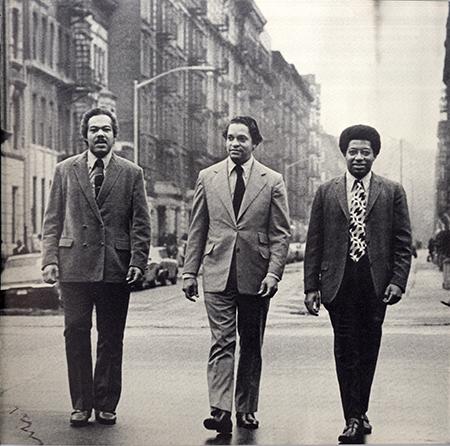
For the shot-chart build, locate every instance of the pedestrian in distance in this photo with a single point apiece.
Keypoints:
(96, 240)
(20, 248)
(240, 230)
(357, 261)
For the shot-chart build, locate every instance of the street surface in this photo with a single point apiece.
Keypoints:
(164, 396)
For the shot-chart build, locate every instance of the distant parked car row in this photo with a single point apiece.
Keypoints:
(296, 252)
(22, 285)
(160, 269)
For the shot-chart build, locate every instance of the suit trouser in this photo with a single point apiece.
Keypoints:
(251, 312)
(102, 390)
(357, 316)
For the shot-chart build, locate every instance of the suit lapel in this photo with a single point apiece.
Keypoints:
(111, 176)
(375, 189)
(81, 172)
(254, 185)
(341, 194)
(222, 187)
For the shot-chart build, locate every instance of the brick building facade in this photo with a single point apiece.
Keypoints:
(62, 57)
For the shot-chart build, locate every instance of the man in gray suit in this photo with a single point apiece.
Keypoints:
(96, 239)
(240, 231)
(357, 261)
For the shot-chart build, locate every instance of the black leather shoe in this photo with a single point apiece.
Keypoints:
(79, 418)
(220, 421)
(247, 420)
(353, 432)
(104, 417)
(367, 427)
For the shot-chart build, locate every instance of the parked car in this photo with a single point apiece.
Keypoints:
(160, 268)
(296, 252)
(22, 285)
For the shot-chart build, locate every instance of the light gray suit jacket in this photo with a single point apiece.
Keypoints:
(388, 236)
(258, 237)
(91, 240)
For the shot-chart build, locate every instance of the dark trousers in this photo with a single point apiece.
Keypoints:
(357, 317)
(226, 312)
(102, 389)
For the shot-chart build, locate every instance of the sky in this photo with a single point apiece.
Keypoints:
(378, 62)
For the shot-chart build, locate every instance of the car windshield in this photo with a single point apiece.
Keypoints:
(18, 262)
(25, 268)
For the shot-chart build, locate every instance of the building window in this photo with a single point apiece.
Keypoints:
(75, 140)
(15, 191)
(16, 122)
(42, 199)
(35, 35)
(67, 54)
(34, 115)
(33, 208)
(51, 48)
(42, 121)
(60, 50)
(50, 125)
(60, 133)
(15, 32)
(44, 39)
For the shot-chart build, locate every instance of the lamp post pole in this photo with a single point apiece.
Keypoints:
(138, 85)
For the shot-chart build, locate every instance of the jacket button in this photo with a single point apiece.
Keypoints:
(102, 243)
(85, 245)
(84, 226)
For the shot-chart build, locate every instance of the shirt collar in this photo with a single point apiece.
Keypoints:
(246, 167)
(91, 159)
(351, 180)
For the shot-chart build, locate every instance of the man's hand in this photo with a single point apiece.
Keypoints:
(133, 275)
(312, 302)
(190, 288)
(269, 286)
(50, 273)
(392, 294)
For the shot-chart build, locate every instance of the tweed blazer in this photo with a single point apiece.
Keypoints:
(96, 240)
(388, 236)
(258, 237)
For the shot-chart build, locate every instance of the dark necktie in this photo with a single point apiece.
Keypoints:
(357, 227)
(98, 175)
(239, 189)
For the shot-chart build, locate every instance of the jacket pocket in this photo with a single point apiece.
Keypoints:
(264, 251)
(208, 248)
(122, 245)
(65, 242)
(263, 238)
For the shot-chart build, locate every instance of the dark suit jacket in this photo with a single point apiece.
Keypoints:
(388, 236)
(93, 240)
(258, 237)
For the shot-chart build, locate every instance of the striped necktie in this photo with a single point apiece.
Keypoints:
(357, 227)
(98, 175)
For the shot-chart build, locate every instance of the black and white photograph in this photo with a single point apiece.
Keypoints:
(225, 222)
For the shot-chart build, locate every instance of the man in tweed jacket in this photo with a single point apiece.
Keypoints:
(96, 239)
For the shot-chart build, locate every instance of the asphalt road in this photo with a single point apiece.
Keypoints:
(165, 399)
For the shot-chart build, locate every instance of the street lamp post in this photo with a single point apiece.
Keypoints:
(138, 85)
